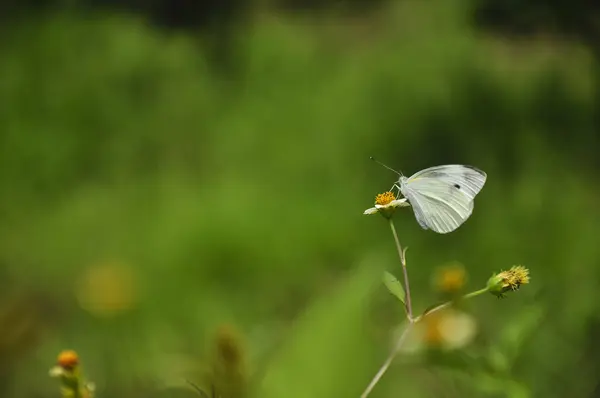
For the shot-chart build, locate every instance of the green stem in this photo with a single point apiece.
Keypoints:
(448, 303)
(404, 271)
(402, 338)
(475, 293)
(387, 362)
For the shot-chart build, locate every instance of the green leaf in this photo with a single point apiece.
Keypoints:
(394, 286)
(328, 353)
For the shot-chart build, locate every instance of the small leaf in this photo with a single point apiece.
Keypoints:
(325, 353)
(394, 286)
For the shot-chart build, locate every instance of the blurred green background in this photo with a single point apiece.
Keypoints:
(178, 178)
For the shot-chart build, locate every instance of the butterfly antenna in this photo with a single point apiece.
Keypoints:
(386, 166)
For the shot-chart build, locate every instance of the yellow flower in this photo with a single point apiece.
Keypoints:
(69, 372)
(508, 281)
(450, 279)
(108, 289)
(68, 359)
(386, 203)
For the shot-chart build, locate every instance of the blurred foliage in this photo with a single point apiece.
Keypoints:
(578, 18)
(152, 199)
(527, 17)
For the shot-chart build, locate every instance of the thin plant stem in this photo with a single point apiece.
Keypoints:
(448, 303)
(475, 293)
(402, 337)
(387, 362)
(404, 271)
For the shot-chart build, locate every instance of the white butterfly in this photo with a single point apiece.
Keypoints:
(442, 197)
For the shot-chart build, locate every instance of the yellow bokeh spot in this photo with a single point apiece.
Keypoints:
(107, 289)
(431, 330)
(450, 278)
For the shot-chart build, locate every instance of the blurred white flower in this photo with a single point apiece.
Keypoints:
(447, 329)
(56, 371)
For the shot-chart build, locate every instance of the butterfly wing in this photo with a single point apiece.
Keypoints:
(438, 209)
(442, 197)
(468, 179)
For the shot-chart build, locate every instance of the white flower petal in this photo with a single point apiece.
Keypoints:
(458, 329)
(56, 371)
(372, 210)
(400, 203)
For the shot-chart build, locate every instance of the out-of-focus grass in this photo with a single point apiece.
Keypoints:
(239, 199)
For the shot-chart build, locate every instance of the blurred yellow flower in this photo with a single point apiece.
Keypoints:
(450, 279)
(71, 381)
(68, 359)
(385, 204)
(107, 289)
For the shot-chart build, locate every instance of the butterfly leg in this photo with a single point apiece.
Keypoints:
(397, 188)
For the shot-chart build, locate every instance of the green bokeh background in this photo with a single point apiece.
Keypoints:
(234, 194)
